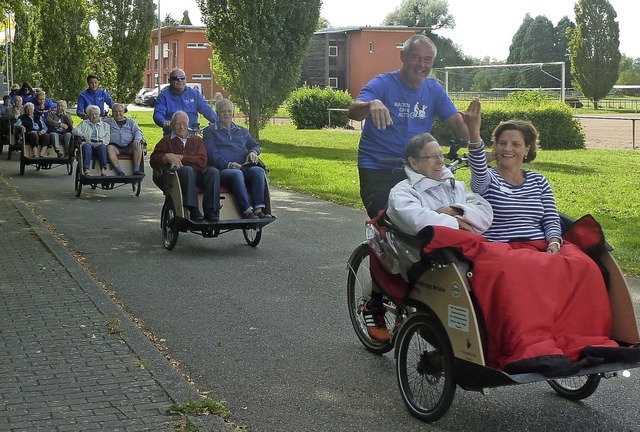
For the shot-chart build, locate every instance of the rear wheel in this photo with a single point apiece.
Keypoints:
(78, 183)
(359, 285)
(576, 388)
(22, 163)
(252, 236)
(424, 366)
(168, 222)
(136, 186)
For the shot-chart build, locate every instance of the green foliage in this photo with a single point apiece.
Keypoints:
(25, 46)
(308, 107)
(432, 14)
(123, 41)
(63, 49)
(204, 407)
(260, 46)
(557, 128)
(629, 71)
(594, 48)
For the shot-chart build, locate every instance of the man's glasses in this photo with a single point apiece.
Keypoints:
(178, 78)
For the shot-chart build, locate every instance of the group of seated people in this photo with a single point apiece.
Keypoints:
(544, 300)
(227, 156)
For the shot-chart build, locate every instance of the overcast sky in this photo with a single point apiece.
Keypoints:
(483, 27)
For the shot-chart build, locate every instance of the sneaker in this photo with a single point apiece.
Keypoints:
(376, 324)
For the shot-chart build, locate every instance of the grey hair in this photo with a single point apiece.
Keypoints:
(179, 112)
(90, 108)
(223, 101)
(29, 104)
(117, 105)
(61, 102)
(419, 37)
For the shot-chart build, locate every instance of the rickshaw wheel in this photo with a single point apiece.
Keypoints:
(424, 366)
(252, 236)
(358, 293)
(576, 388)
(168, 222)
(136, 186)
(22, 164)
(78, 183)
(69, 168)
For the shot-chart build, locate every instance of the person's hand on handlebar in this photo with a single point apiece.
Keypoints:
(379, 114)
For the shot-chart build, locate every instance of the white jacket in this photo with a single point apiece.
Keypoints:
(413, 203)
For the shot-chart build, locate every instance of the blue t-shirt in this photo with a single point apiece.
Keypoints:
(412, 111)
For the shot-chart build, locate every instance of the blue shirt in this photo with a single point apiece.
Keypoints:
(228, 145)
(98, 98)
(190, 101)
(412, 112)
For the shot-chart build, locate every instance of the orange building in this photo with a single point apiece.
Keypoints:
(185, 47)
(347, 58)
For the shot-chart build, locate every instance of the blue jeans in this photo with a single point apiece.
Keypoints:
(238, 180)
(87, 153)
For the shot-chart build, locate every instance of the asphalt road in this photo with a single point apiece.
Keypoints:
(267, 328)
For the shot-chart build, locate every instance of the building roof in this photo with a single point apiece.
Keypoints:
(370, 28)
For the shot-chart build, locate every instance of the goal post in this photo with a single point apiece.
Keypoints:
(494, 81)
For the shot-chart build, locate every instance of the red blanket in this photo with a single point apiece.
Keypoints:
(536, 305)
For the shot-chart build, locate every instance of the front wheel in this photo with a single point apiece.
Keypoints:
(22, 163)
(252, 236)
(136, 186)
(359, 286)
(576, 388)
(78, 183)
(168, 222)
(424, 366)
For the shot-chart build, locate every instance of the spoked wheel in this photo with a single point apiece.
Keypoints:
(252, 236)
(69, 168)
(576, 388)
(168, 222)
(359, 285)
(22, 163)
(78, 183)
(424, 366)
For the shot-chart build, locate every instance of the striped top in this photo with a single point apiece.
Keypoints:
(524, 212)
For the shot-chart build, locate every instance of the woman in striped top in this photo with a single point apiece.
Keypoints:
(524, 207)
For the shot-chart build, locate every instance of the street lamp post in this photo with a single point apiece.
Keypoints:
(159, 67)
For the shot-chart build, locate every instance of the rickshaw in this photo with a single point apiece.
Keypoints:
(112, 180)
(437, 328)
(48, 158)
(174, 219)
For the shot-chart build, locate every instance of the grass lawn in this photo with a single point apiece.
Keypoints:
(322, 163)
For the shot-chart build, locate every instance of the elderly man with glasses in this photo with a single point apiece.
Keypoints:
(180, 97)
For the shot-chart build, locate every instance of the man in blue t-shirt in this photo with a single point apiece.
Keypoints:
(93, 95)
(397, 106)
(180, 97)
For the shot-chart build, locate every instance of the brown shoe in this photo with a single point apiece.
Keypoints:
(376, 323)
(249, 215)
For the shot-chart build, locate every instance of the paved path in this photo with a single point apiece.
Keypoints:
(70, 359)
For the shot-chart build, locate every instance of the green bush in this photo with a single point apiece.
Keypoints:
(557, 128)
(308, 107)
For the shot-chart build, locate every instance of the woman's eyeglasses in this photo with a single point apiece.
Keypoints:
(430, 157)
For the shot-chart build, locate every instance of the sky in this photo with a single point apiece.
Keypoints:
(483, 28)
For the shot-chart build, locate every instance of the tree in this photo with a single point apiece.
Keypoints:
(259, 47)
(432, 14)
(594, 48)
(25, 46)
(63, 53)
(323, 23)
(517, 42)
(561, 49)
(169, 21)
(629, 71)
(185, 18)
(124, 34)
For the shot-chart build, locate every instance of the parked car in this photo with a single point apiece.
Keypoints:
(139, 100)
(149, 98)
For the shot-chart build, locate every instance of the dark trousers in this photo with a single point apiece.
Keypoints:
(375, 185)
(208, 180)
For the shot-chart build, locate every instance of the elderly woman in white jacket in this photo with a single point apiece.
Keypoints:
(431, 196)
(95, 135)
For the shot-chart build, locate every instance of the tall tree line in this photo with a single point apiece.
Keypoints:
(54, 48)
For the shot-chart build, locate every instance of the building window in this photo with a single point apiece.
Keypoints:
(400, 45)
(165, 50)
(333, 51)
(371, 46)
(156, 50)
(333, 83)
(201, 76)
(175, 54)
(198, 45)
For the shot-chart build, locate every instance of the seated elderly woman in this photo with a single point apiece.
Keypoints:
(34, 129)
(126, 137)
(60, 126)
(95, 135)
(544, 301)
(234, 152)
(429, 196)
